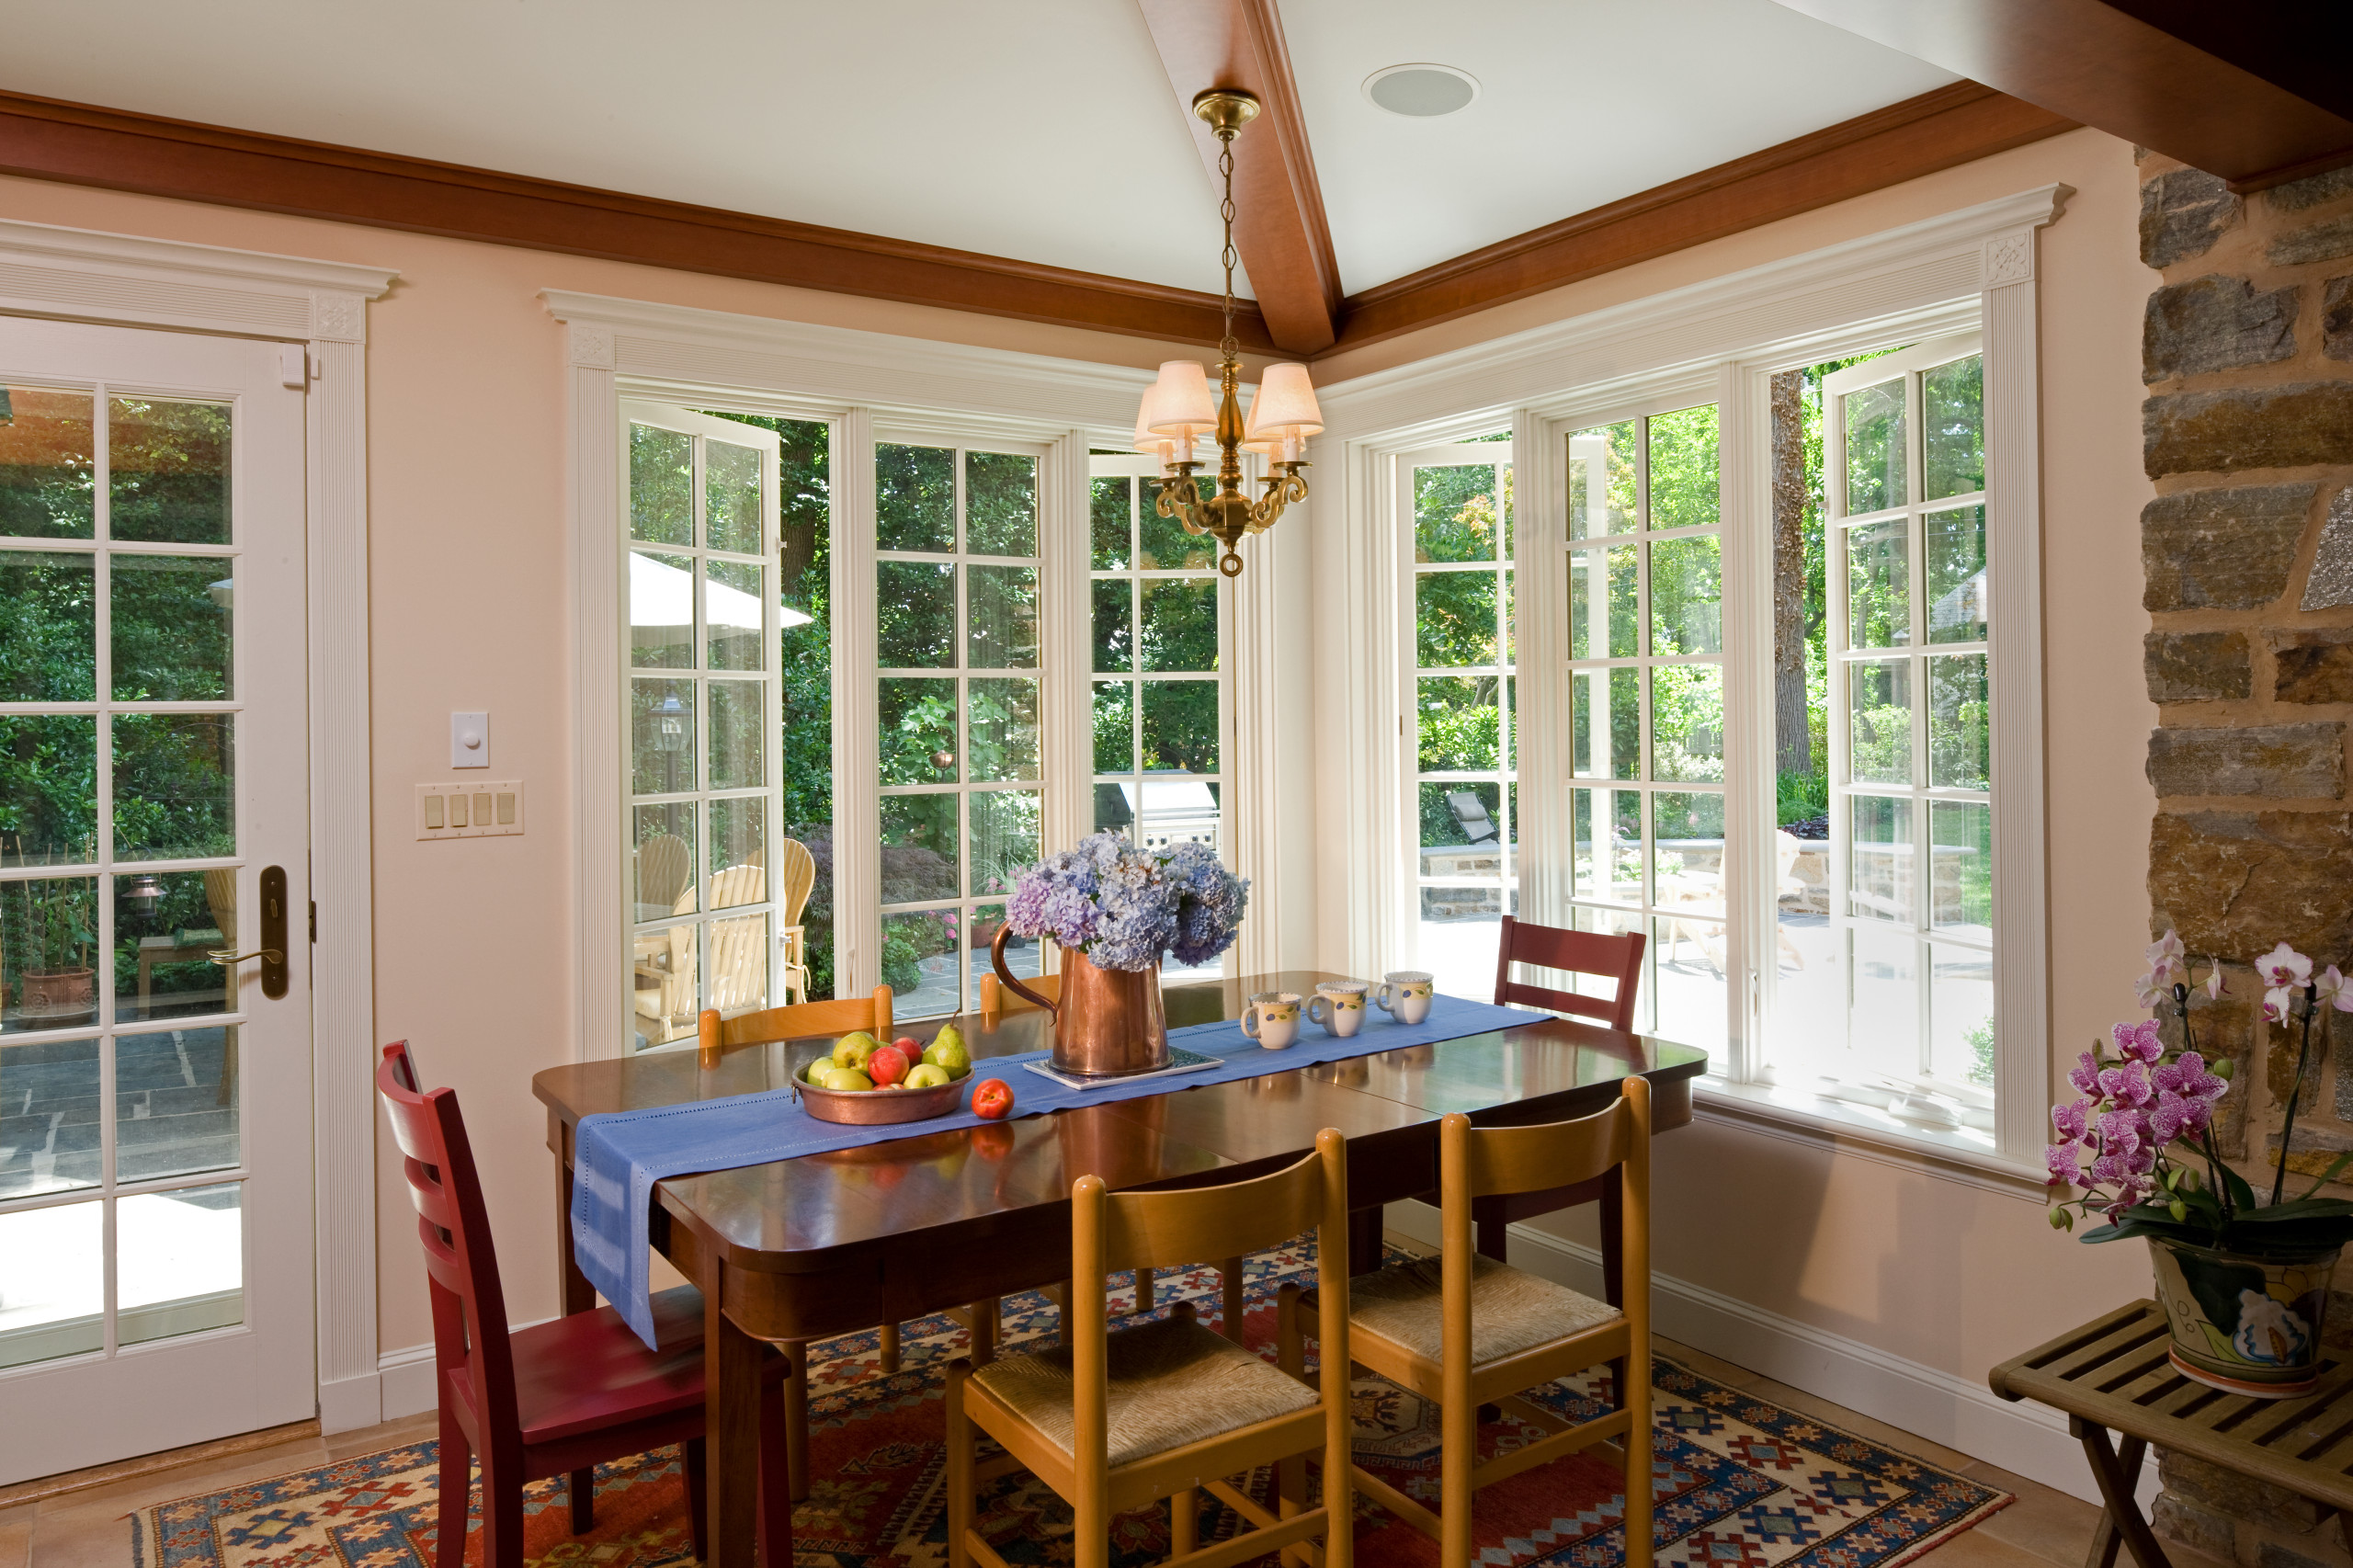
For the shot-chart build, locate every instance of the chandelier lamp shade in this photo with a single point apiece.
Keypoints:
(1181, 408)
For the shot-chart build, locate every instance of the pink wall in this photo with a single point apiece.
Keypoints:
(469, 608)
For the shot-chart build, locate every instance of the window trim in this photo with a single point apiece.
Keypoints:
(1972, 268)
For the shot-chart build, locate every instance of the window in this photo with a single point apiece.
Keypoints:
(1465, 801)
(1645, 692)
(1893, 1008)
(1159, 702)
(704, 717)
(960, 765)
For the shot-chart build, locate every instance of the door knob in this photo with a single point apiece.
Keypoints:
(272, 952)
(224, 958)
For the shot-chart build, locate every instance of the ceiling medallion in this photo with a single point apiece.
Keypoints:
(1178, 407)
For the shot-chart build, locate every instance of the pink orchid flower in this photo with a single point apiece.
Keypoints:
(2153, 989)
(2128, 1085)
(2084, 1075)
(2214, 980)
(2138, 1042)
(2066, 1169)
(2167, 949)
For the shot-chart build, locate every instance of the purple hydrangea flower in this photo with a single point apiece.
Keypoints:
(1125, 907)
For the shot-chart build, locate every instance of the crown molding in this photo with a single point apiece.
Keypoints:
(1938, 130)
(89, 275)
(1746, 313)
(84, 144)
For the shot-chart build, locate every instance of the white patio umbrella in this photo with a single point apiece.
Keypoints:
(661, 594)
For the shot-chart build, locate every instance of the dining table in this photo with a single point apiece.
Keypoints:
(839, 1242)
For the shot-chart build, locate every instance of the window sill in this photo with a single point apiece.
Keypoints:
(1848, 1128)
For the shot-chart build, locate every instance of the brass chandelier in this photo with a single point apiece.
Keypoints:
(1177, 408)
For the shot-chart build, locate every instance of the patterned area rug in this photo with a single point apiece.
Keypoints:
(1740, 1483)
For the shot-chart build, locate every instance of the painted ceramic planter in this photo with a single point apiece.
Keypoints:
(2248, 1324)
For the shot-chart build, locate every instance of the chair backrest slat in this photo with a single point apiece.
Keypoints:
(801, 1020)
(453, 1226)
(1576, 952)
(1149, 1230)
(1505, 1160)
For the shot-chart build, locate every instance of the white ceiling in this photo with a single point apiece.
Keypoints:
(903, 117)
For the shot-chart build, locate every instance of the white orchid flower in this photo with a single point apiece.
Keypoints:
(2276, 1002)
(2331, 989)
(2214, 980)
(2166, 951)
(2283, 969)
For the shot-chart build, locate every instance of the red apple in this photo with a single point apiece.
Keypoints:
(886, 1066)
(910, 1048)
(991, 1100)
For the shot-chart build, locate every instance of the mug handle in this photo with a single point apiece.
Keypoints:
(1381, 998)
(1250, 1022)
(1324, 1017)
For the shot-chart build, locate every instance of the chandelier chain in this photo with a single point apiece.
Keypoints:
(1227, 346)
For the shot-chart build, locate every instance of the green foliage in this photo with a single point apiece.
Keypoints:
(1684, 471)
(1799, 797)
(1454, 513)
(52, 924)
(1979, 1038)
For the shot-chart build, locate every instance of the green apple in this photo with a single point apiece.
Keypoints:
(846, 1078)
(947, 1052)
(853, 1048)
(926, 1076)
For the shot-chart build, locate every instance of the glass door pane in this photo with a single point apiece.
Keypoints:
(1466, 812)
(122, 1142)
(960, 763)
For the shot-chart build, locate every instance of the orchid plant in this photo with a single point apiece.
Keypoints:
(2139, 1146)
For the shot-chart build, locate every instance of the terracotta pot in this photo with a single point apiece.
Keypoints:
(59, 993)
(1107, 1023)
(2247, 1324)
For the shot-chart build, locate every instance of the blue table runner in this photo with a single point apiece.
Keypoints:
(618, 1158)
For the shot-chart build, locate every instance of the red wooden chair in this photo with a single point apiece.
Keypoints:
(558, 1397)
(1579, 952)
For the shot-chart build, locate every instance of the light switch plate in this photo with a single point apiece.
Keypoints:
(469, 740)
(471, 808)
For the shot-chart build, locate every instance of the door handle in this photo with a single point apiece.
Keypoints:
(272, 952)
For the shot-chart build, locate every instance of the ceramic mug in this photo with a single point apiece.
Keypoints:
(1272, 1018)
(1338, 1005)
(1405, 995)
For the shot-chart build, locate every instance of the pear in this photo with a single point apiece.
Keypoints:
(947, 1052)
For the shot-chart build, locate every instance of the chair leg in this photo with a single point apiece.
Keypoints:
(1459, 1451)
(1640, 1547)
(1291, 1356)
(1183, 1522)
(699, 1495)
(580, 1492)
(457, 1493)
(796, 1418)
(1144, 1291)
(985, 1315)
(502, 1516)
(775, 1483)
(1232, 1269)
(960, 1467)
(890, 1356)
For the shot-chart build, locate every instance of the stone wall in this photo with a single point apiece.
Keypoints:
(2247, 569)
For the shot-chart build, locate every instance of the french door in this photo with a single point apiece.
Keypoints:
(155, 1218)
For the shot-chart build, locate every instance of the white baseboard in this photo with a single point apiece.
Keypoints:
(401, 1385)
(2026, 1440)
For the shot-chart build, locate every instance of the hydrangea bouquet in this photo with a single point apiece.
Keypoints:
(1125, 907)
(2139, 1148)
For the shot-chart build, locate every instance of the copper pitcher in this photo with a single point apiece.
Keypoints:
(1108, 1022)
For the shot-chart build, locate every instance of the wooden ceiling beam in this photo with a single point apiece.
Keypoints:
(2256, 91)
(1280, 228)
(44, 139)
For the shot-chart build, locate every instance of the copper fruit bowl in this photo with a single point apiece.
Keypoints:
(881, 1108)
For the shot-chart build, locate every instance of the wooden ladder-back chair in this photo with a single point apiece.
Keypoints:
(559, 1397)
(1167, 1409)
(809, 1020)
(1462, 1330)
(796, 874)
(1577, 952)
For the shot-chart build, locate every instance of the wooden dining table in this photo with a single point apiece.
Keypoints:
(837, 1243)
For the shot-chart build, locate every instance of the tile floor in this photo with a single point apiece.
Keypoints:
(87, 1529)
